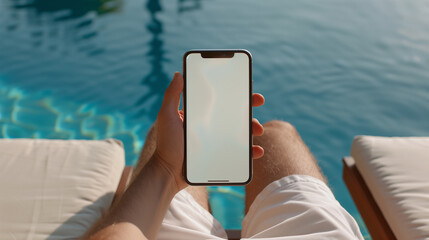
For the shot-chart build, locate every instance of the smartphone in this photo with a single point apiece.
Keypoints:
(217, 101)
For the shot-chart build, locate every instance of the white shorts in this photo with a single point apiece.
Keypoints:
(294, 207)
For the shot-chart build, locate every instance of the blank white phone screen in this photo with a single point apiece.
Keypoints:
(217, 119)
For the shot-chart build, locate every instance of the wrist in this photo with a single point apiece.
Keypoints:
(162, 174)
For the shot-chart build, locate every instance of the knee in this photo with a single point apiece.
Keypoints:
(151, 134)
(281, 126)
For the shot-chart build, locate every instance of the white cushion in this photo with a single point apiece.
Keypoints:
(396, 171)
(56, 189)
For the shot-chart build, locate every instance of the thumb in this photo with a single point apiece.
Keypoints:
(172, 94)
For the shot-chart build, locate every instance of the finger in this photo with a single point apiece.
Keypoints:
(257, 128)
(172, 94)
(258, 151)
(181, 115)
(258, 100)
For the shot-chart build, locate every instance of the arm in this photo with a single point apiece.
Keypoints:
(140, 211)
(138, 214)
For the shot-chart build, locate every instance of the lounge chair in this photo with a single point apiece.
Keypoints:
(388, 179)
(56, 189)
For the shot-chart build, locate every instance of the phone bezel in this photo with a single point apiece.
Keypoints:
(214, 53)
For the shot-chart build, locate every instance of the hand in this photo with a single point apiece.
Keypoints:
(170, 137)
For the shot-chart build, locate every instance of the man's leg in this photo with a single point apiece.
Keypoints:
(301, 205)
(284, 154)
(197, 192)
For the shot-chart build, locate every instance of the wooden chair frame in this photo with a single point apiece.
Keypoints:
(365, 202)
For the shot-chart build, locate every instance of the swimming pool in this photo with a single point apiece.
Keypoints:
(335, 69)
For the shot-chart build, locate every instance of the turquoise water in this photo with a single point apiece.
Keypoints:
(335, 69)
